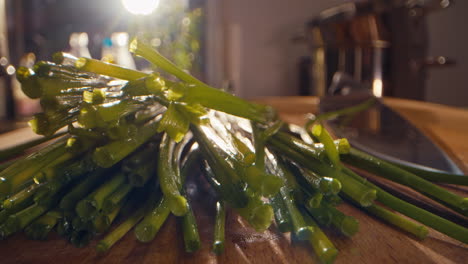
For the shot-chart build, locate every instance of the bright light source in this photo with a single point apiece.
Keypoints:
(3, 61)
(10, 70)
(140, 7)
(120, 38)
(377, 88)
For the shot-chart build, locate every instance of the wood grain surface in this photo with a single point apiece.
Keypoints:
(376, 242)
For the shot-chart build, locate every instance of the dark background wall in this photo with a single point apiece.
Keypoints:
(45, 25)
(260, 59)
(447, 36)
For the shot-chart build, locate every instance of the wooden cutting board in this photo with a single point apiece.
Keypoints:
(376, 242)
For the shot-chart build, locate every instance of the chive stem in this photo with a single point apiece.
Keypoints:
(219, 228)
(104, 68)
(385, 169)
(147, 229)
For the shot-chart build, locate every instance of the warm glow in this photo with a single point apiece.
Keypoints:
(377, 88)
(120, 39)
(10, 70)
(140, 7)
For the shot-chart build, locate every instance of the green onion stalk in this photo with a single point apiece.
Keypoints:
(219, 229)
(133, 210)
(171, 185)
(385, 169)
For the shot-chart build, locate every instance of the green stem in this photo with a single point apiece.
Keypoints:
(315, 200)
(147, 229)
(287, 193)
(324, 137)
(265, 184)
(411, 227)
(342, 146)
(150, 54)
(300, 228)
(189, 223)
(6, 164)
(169, 177)
(219, 228)
(13, 177)
(141, 165)
(104, 68)
(103, 221)
(330, 186)
(257, 213)
(135, 217)
(66, 171)
(18, 206)
(385, 169)
(259, 145)
(64, 58)
(91, 205)
(83, 188)
(63, 85)
(20, 220)
(345, 111)
(4, 214)
(190, 230)
(323, 247)
(438, 223)
(305, 156)
(435, 176)
(18, 149)
(101, 115)
(41, 227)
(152, 84)
(97, 96)
(23, 196)
(229, 146)
(29, 83)
(230, 186)
(312, 183)
(200, 92)
(247, 157)
(112, 201)
(141, 175)
(328, 215)
(52, 70)
(48, 123)
(108, 155)
(281, 214)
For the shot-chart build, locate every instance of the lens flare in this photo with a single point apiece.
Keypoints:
(140, 7)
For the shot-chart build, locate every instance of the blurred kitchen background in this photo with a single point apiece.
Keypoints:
(415, 49)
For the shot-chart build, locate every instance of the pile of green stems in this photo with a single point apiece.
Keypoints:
(118, 155)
